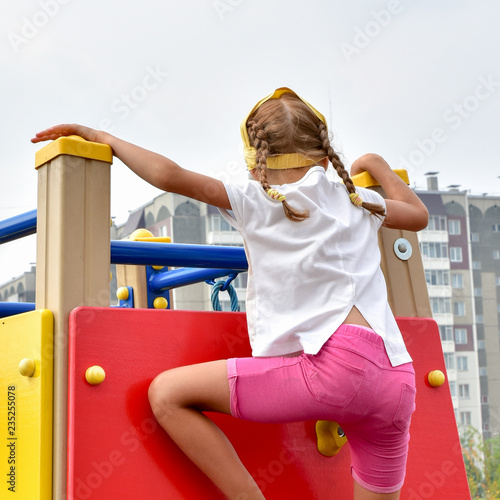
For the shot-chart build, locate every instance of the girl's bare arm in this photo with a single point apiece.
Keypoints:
(405, 210)
(158, 170)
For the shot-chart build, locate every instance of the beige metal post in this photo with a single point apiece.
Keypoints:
(73, 256)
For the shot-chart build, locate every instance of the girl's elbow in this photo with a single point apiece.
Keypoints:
(421, 219)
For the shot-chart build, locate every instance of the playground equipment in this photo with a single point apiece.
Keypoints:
(75, 372)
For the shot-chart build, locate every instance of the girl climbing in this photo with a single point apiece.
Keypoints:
(325, 344)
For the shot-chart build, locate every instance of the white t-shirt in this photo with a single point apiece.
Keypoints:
(305, 277)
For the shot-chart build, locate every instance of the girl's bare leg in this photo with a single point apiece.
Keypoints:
(361, 493)
(177, 398)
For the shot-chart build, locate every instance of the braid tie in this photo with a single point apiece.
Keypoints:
(356, 199)
(276, 195)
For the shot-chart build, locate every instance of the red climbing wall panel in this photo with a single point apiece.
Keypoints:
(117, 450)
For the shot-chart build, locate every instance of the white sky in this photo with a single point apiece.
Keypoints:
(415, 81)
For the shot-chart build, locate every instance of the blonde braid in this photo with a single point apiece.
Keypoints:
(259, 138)
(335, 160)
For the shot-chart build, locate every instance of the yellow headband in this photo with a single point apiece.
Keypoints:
(284, 161)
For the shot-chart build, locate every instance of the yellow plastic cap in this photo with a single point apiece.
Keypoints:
(122, 293)
(436, 378)
(145, 235)
(27, 367)
(95, 375)
(73, 146)
(160, 303)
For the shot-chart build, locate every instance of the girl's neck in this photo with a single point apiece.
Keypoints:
(288, 176)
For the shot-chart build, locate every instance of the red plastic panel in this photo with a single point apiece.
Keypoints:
(435, 467)
(117, 450)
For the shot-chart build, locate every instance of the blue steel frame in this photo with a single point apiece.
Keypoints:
(18, 226)
(205, 262)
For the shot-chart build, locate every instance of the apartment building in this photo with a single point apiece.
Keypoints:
(461, 255)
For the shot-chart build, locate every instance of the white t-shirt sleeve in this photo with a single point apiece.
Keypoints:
(234, 217)
(371, 196)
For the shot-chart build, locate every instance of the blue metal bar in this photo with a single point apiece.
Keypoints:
(18, 226)
(177, 255)
(186, 276)
(11, 308)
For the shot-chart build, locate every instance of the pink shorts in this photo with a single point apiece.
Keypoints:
(350, 381)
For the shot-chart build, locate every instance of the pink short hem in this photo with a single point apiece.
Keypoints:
(231, 377)
(376, 489)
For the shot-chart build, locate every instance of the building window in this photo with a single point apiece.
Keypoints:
(449, 360)
(483, 371)
(440, 305)
(463, 391)
(454, 226)
(465, 418)
(240, 281)
(481, 344)
(474, 237)
(446, 332)
(496, 254)
(456, 254)
(479, 318)
(459, 308)
(497, 281)
(486, 426)
(484, 399)
(436, 223)
(462, 365)
(457, 280)
(437, 277)
(476, 265)
(460, 336)
(478, 292)
(218, 223)
(495, 228)
(453, 389)
(434, 250)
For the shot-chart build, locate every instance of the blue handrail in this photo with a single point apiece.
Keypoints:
(178, 255)
(12, 308)
(185, 276)
(18, 227)
(199, 262)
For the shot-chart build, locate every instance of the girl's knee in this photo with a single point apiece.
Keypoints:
(160, 395)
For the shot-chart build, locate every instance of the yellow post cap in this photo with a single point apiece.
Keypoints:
(95, 375)
(436, 378)
(73, 146)
(27, 367)
(366, 180)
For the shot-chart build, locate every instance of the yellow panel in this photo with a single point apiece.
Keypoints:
(73, 146)
(26, 406)
(364, 179)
